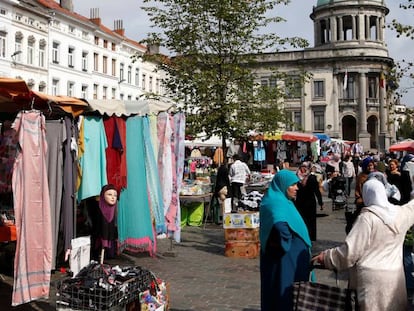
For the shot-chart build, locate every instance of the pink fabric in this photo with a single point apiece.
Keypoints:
(164, 163)
(33, 259)
(171, 215)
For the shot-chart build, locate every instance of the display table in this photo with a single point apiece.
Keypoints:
(7, 233)
(202, 198)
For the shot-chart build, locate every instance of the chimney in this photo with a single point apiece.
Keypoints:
(119, 27)
(94, 16)
(67, 4)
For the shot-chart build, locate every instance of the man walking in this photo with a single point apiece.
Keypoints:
(239, 173)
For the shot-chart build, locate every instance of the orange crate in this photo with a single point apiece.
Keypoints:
(246, 235)
(242, 249)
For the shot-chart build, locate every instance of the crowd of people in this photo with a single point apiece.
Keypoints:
(378, 247)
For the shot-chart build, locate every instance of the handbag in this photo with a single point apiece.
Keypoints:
(320, 297)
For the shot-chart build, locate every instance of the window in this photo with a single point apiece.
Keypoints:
(71, 89)
(105, 64)
(95, 91)
(18, 47)
(55, 87)
(95, 62)
(157, 86)
(72, 30)
(30, 52)
(297, 120)
(96, 39)
(55, 53)
(84, 61)
(129, 74)
(318, 89)
(104, 92)
(84, 91)
(105, 44)
(293, 87)
(42, 53)
(349, 91)
(372, 87)
(150, 84)
(2, 45)
(71, 57)
(121, 72)
(42, 86)
(136, 76)
(144, 81)
(114, 67)
(270, 82)
(113, 46)
(319, 120)
(113, 93)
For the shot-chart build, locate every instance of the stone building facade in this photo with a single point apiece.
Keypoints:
(346, 95)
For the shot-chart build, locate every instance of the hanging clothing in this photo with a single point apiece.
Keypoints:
(93, 161)
(114, 153)
(33, 258)
(135, 228)
(164, 164)
(153, 180)
(55, 136)
(218, 157)
(71, 168)
(179, 146)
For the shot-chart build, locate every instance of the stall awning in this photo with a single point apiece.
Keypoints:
(405, 145)
(15, 95)
(281, 135)
(129, 107)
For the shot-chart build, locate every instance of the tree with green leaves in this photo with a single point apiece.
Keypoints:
(213, 49)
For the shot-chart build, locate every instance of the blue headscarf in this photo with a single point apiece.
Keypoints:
(277, 207)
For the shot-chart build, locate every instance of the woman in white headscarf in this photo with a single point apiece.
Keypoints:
(373, 251)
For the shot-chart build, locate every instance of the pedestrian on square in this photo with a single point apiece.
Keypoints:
(284, 243)
(239, 174)
(367, 167)
(348, 171)
(373, 251)
(307, 197)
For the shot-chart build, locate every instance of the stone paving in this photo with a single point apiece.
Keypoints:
(201, 278)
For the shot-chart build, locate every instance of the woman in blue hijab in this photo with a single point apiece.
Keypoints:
(284, 244)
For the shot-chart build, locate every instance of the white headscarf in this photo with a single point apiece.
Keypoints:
(376, 201)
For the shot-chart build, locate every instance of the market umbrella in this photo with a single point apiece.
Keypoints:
(299, 136)
(405, 145)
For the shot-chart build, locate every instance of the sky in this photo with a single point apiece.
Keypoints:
(137, 25)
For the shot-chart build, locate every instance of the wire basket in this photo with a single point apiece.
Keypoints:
(99, 288)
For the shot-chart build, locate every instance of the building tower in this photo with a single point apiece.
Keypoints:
(350, 35)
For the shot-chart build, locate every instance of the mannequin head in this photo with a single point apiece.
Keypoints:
(109, 194)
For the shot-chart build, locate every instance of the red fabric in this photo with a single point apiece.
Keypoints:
(7, 233)
(115, 155)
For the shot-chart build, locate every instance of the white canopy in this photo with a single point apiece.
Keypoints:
(129, 107)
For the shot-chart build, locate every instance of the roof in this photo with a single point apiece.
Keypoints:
(325, 2)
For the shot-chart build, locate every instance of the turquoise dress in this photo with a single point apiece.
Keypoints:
(285, 245)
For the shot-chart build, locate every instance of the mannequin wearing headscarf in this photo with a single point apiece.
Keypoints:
(106, 226)
(373, 251)
(285, 243)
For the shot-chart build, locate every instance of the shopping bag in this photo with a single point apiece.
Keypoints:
(320, 297)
